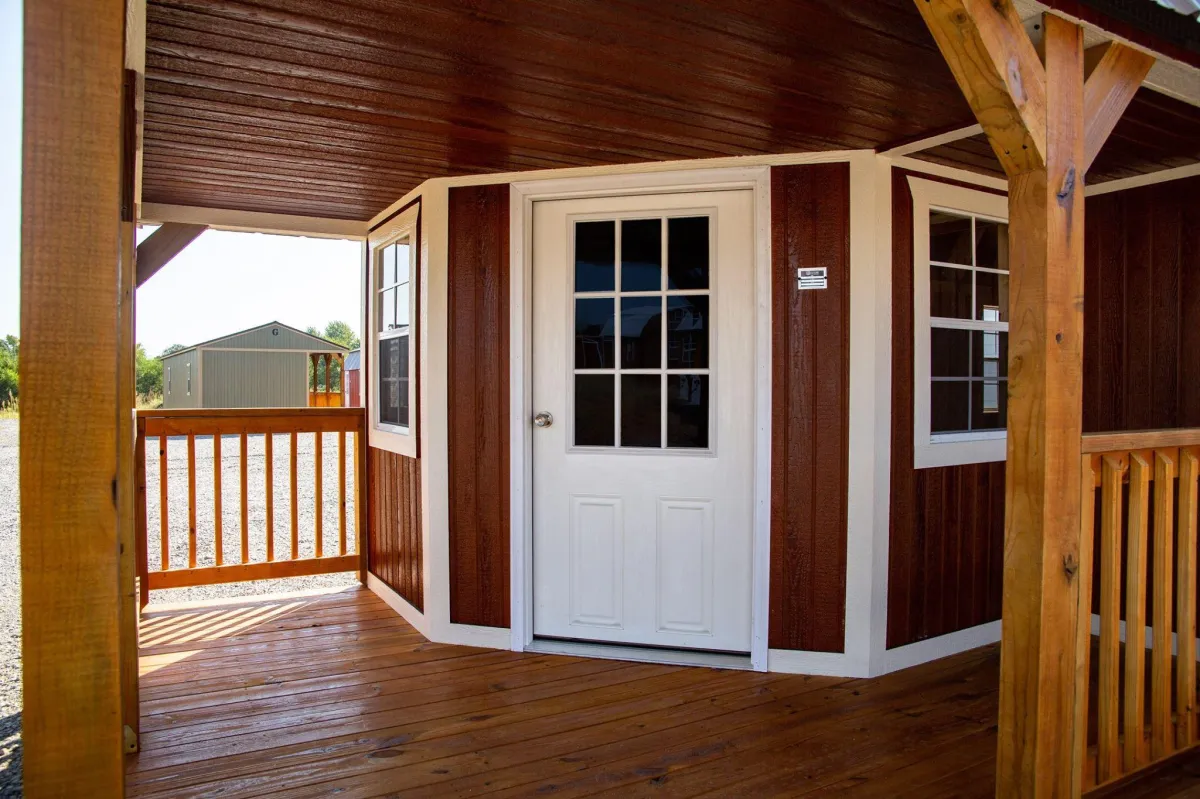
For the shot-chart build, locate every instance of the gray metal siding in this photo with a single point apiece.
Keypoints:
(255, 379)
(175, 393)
(265, 338)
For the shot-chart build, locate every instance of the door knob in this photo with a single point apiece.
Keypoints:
(543, 419)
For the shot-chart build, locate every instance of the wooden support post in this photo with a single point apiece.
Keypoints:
(71, 170)
(1033, 114)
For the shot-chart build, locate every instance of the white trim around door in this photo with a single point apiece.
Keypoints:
(522, 197)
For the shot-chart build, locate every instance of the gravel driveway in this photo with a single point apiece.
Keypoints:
(10, 573)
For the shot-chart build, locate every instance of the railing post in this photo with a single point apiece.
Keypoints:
(140, 519)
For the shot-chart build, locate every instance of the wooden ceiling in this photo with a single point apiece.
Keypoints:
(336, 109)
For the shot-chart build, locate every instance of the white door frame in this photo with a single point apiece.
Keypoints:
(522, 197)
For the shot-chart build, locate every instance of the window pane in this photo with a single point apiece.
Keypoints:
(641, 255)
(594, 326)
(989, 354)
(687, 252)
(687, 332)
(949, 352)
(390, 363)
(402, 300)
(641, 332)
(387, 310)
(594, 410)
(388, 276)
(949, 405)
(991, 297)
(991, 244)
(949, 238)
(949, 292)
(402, 381)
(595, 256)
(402, 257)
(641, 420)
(687, 411)
(989, 404)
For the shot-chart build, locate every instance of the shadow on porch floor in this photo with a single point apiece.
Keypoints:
(314, 695)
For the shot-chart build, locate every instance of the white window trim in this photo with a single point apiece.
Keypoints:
(951, 449)
(399, 439)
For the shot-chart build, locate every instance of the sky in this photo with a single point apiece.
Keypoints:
(222, 283)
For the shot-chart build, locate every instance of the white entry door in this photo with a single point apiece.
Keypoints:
(643, 364)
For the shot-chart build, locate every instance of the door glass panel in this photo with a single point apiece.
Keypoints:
(687, 332)
(641, 255)
(594, 411)
(687, 411)
(687, 253)
(641, 411)
(595, 256)
(949, 292)
(641, 332)
(594, 333)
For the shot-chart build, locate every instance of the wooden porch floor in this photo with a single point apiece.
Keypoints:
(335, 694)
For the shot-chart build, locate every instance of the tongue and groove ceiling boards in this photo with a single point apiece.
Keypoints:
(336, 109)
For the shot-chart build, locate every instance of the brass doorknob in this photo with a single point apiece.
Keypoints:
(543, 419)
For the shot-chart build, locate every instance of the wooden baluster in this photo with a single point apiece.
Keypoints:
(140, 516)
(1089, 481)
(1161, 739)
(191, 467)
(1108, 752)
(269, 478)
(295, 509)
(164, 537)
(1185, 599)
(319, 520)
(245, 504)
(341, 492)
(360, 505)
(1135, 611)
(218, 510)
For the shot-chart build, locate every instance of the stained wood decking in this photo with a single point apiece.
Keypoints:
(307, 696)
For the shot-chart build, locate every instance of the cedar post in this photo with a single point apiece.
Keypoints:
(1046, 128)
(70, 587)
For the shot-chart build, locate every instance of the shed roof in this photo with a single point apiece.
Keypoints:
(329, 346)
(354, 360)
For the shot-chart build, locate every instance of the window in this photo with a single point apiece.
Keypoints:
(641, 365)
(960, 314)
(393, 312)
(189, 379)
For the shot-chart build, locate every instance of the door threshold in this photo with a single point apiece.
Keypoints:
(640, 654)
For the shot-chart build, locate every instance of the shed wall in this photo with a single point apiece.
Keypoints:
(175, 390)
(251, 379)
(266, 337)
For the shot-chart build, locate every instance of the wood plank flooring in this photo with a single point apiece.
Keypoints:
(310, 696)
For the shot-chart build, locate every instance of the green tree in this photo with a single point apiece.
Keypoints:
(149, 373)
(343, 334)
(10, 351)
(340, 333)
(171, 350)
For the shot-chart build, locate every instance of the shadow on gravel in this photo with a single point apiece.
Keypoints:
(10, 756)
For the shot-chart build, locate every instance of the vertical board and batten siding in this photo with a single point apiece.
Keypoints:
(1141, 370)
(253, 379)
(395, 544)
(478, 341)
(1141, 367)
(394, 547)
(810, 227)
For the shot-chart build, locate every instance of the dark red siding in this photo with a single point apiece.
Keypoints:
(478, 405)
(394, 544)
(810, 226)
(1142, 308)
(1141, 370)
(353, 390)
(947, 524)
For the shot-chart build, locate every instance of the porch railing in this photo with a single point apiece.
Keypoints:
(1136, 699)
(178, 555)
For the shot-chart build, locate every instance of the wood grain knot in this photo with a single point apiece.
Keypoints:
(1070, 566)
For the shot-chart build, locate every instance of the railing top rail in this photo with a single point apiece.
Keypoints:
(1093, 443)
(226, 413)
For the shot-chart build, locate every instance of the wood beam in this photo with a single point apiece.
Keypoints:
(161, 246)
(997, 68)
(70, 269)
(1110, 87)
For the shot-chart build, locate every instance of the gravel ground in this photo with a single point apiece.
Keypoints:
(10, 573)
(10, 615)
